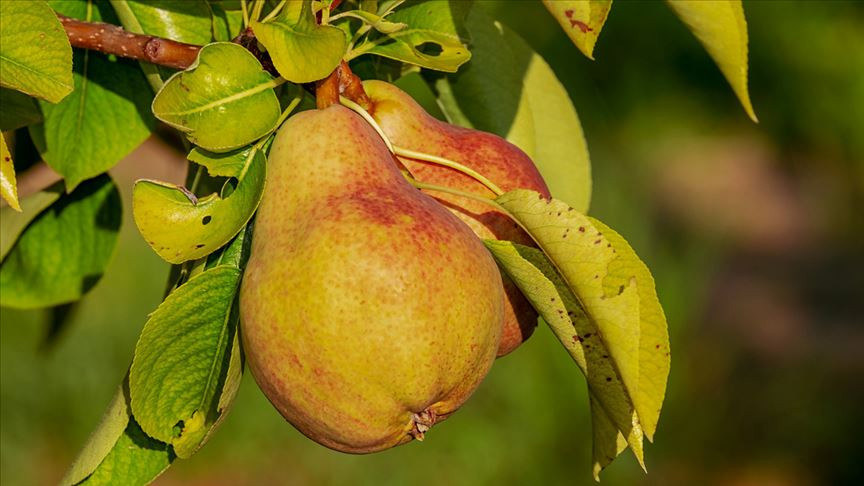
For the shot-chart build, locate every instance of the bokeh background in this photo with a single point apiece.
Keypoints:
(754, 233)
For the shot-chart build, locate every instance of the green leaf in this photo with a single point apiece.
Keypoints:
(301, 50)
(374, 21)
(136, 459)
(609, 443)
(508, 89)
(181, 20)
(182, 360)
(64, 251)
(106, 116)
(180, 228)
(227, 23)
(581, 20)
(13, 223)
(118, 451)
(581, 334)
(8, 186)
(414, 84)
(227, 164)
(35, 55)
(223, 102)
(432, 38)
(17, 110)
(654, 354)
(721, 27)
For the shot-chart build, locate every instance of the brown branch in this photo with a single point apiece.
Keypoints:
(112, 39)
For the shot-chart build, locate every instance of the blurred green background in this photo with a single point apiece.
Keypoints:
(754, 234)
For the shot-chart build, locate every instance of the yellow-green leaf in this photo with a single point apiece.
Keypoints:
(608, 443)
(721, 27)
(35, 55)
(510, 90)
(301, 50)
(8, 187)
(180, 227)
(582, 20)
(551, 294)
(432, 38)
(654, 352)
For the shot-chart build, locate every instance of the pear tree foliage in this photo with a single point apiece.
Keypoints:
(584, 280)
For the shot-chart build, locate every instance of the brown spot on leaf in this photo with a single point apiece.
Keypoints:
(581, 25)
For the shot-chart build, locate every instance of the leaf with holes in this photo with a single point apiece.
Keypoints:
(223, 102)
(64, 251)
(432, 38)
(182, 360)
(35, 55)
(721, 27)
(8, 186)
(103, 119)
(302, 50)
(509, 90)
(180, 227)
(581, 20)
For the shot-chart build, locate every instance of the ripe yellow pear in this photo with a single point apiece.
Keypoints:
(409, 126)
(369, 312)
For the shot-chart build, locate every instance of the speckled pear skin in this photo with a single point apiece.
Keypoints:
(368, 311)
(409, 126)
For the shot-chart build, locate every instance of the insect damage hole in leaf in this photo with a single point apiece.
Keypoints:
(430, 49)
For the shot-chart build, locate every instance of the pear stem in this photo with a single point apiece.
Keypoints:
(456, 192)
(412, 154)
(366, 116)
(275, 11)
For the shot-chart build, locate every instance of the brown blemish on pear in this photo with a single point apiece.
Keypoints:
(369, 312)
(409, 126)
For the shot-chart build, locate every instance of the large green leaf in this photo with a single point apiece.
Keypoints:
(581, 20)
(721, 27)
(35, 55)
(578, 331)
(118, 451)
(17, 110)
(13, 223)
(64, 251)
(104, 119)
(301, 50)
(432, 38)
(183, 357)
(180, 227)
(508, 89)
(223, 102)
(8, 186)
(181, 20)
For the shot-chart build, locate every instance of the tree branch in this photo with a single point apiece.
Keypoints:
(112, 39)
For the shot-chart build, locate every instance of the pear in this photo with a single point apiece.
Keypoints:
(369, 312)
(408, 125)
